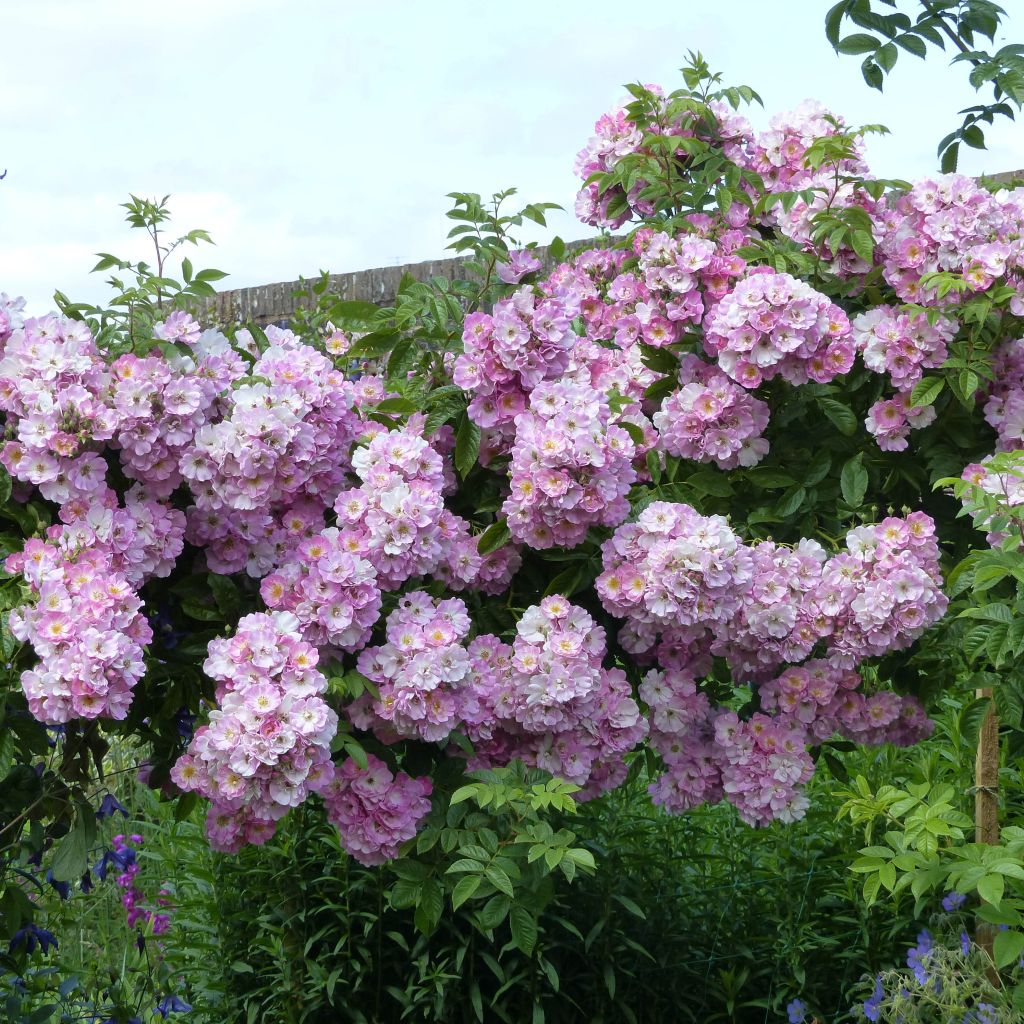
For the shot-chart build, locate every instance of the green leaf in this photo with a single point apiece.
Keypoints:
(352, 309)
(374, 345)
(660, 360)
(770, 478)
(840, 415)
(206, 276)
(499, 879)
(853, 481)
(863, 245)
(969, 383)
(926, 391)
(791, 501)
(661, 388)
(710, 481)
(465, 888)
(630, 905)
(635, 431)
(887, 56)
(859, 42)
(463, 793)
(226, 595)
(524, 929)
(399, 406)
(185, 805)
(71, 858)
(567, 582)
(195, 610)
(1007, 947)
(990, 888)
(429, 906)
(912, 44)
(494, 911)
(496, 535)
(467, 446)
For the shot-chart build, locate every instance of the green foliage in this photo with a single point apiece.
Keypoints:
(679, 920)
(144, 292)
(963, 23)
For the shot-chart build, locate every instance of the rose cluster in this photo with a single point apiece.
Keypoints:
(572, 467)
(1005, 486)
(267, 743)
(688, 587)
(901, 345)
(711, 419)
(672, 574)
(758, 765)
(825, 699)
(782, 156)
(374, 809)
(677, 266)
(143, 539)
(421, 670)
(1004, 407)
(331, 589)
(12, 316)
(506, 354)
(774, 324)
(616, 137)
(885, 590)
(284, 439)
(162, 403)
(393, 518)
(950, 223)
(86, 626)
(53, 391)
(778, 615)
(462, 567)
(548, 701)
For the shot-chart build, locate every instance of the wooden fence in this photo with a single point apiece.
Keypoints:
(275, 303)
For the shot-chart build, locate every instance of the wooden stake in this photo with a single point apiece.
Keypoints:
(986, 806)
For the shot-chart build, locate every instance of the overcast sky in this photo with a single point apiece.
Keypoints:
(315, 134)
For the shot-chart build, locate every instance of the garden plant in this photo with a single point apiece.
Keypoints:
(691, 510)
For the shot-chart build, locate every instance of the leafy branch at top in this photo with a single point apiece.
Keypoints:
(963, 23)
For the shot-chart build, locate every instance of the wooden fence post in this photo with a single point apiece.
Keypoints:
(986, 806)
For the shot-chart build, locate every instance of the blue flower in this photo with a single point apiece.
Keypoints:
(172, 1004)
(31, 936)
(120, 859)
(185, 723)
(953, 901)
(63, 888)
(965, 943)
(873, 1003)
(983, 1013)
(110, 806)
(163, 627)
(797, 1011)
(917, 955)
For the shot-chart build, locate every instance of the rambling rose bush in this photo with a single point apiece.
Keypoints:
(647, 493)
